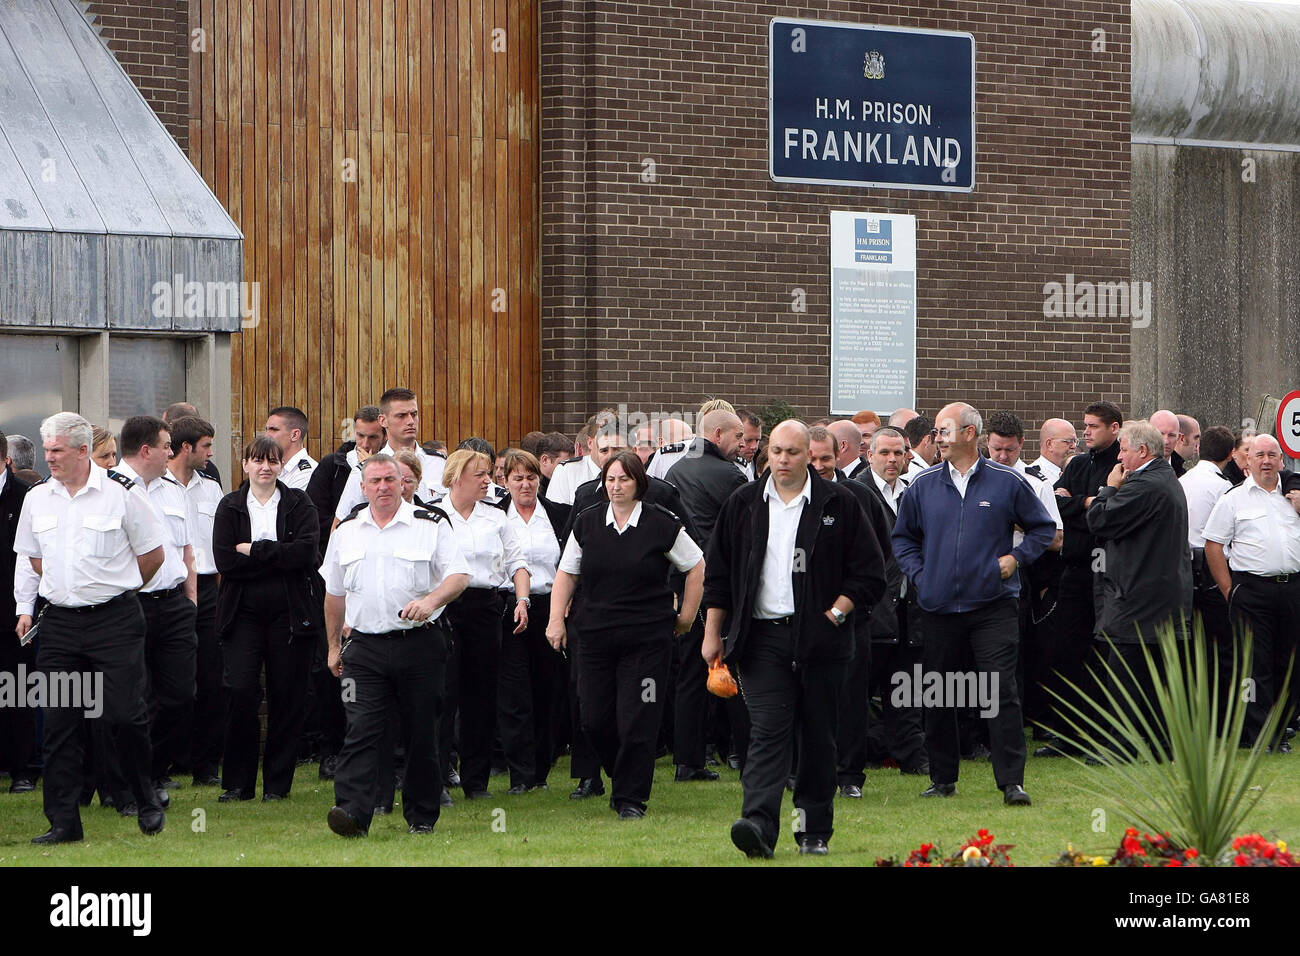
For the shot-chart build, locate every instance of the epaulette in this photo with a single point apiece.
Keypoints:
(39, 482)
(431, 514)
(502, 502)
(167, 476)
(1036, 471)
(356, 509)
(437, 454)
(121, 479)
(204, 474)
(672, 449)
(570, 461)
(304, 465)
(655, 506)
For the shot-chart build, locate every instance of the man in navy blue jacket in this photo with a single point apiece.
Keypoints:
(953, 540)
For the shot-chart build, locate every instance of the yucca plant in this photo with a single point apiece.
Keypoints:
(1173, 763)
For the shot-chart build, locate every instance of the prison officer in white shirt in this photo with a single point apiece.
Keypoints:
(288, 426)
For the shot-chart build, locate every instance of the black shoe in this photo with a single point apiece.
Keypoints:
(850, 790)
(712, 761)
(108, 803)
(684, 773)
(383, 810)
(453, 778)
(166, 783)
(497, 771)
(1052, 749)
(1282, 748)
(207, 780)
(477, 795)
(164, 798)
(588, 787)
(539, 786)
(920, 770)
(940, 790)
(1288, 734)
(733, 761)
(630, 812)
(228, 796)
(344, 823)
(980, 752)
(420, 828)
(789, 784)
(445, 799)
(151, 822)
(1015, 796)
(57, 835)
(129, 809)
(518, 789)
(272, 797)
(22, 785)
(748, 839)
(327, 768)
(813, 846)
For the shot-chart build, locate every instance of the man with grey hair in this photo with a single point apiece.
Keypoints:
(1146, 579)
(22, 453)
(93, 538)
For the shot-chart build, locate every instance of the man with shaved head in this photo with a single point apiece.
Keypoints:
(790, 559)
(705, 475)
(674, 438)
(1260, 579)
(1166, 423)
(954, 539)
(901, 417)
(1057, 442)
(850, 453)
(1188, 448)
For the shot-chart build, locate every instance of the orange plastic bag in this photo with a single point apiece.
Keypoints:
(721, 683)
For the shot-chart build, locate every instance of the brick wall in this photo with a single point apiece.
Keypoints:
(661, 294)
(150, 38)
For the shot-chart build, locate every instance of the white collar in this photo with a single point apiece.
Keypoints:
(770, 492)
(631, 521)
(405, 512)
(271, 501)
(956, 475)
(1250, 482)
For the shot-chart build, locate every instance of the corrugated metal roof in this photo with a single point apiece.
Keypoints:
(80, 149)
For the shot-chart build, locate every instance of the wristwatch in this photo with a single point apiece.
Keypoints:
(528, 602)
(840, 616)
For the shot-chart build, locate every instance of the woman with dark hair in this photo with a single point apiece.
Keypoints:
(496, 561)
(623, 552)
(530, 668)
(269, 611)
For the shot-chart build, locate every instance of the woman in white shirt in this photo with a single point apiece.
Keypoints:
(269, 611)
(530, 667)
(496, 562)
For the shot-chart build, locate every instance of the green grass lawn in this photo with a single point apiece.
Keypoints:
(687, 824)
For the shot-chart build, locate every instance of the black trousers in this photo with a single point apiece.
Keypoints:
(1072, 647)
(851, 739)
(1129, 678)
(209, 700)
(1210, 605)
(903, 725)
(17, 724)
(984, 641)
(260, 636)
(529, 673)
(691, 698)
(406, 668)
(786, 705)
(475, 618)
(584, 762)
(621, 682)
(1270, 611)
(109, 640)
(171, 660)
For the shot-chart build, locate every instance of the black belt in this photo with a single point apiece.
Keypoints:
(92, 608)
(776, 621)
(400, 632)
(162, 595)
(1270, 578)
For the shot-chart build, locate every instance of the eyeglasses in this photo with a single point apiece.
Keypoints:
(1067, 441)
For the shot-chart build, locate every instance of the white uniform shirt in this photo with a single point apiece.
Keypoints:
(775, 596)
(568, 475)
(1261, 526)
(489, 544)
(915, 468)
(666, 457)
(857, 469)
(169, 500)
(27, 584)
(746, 468)
(430, 486)
(381, 570)
(961, 480)
(1046, 494)
(891, 495)
(683, 555)
(204, 494)
(1203, 485)
(1049, 469)
(296, 472)
(88, 543)
(262, 517)
(541, 548)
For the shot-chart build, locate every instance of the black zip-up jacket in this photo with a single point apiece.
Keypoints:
(326, 488)
(705, 480)
(841, 556)
(11, 506)
(292, 557)
(884, 619)
(1082, 476)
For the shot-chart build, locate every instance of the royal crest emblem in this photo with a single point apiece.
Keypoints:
(873, 68)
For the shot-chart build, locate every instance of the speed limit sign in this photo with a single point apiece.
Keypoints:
(1288, 424)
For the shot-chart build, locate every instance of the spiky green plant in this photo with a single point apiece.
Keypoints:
(1173, 763)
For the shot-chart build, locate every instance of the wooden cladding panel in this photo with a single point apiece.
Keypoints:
(381, 159)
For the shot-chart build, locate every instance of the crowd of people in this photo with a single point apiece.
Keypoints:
(424, 619)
